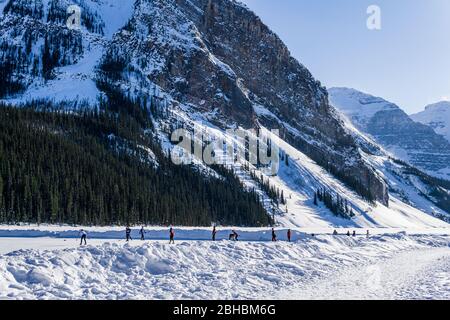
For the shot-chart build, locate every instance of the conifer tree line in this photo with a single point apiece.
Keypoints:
(351, 181)
(272, 191)
(335, 203)
(439, 188)
(60, 168)
(37, 48)
(56, 13)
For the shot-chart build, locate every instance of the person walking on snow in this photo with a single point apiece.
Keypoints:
(348, 233)
(354, 233)
(335, 233)
(289, 235)
(128, 233)
(274, 236)
(83, 237)
(171, 236)
(367, 234)
(214, 232)
(142, 233)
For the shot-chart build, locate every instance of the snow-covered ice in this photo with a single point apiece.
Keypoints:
(408, 266)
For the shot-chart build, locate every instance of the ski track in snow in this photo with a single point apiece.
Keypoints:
(321, 267)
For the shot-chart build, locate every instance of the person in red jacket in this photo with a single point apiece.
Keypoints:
(289, 235)
(172, 236)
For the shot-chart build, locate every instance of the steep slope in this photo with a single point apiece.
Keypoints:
(42, 57)
(298, 178)
(215, 57)
(390, 126)
(436, 116)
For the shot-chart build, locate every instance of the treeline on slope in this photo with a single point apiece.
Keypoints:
(57, 12)
(349, 180)
(439, 188)
(339, 206)
(60, 168)
(59, 47)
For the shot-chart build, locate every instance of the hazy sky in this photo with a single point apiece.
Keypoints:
(406, 62)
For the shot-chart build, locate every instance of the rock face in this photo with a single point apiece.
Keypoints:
(436, 116)
(411, 141)
(214, 57)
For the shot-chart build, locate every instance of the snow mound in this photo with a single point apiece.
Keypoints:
(193, 270)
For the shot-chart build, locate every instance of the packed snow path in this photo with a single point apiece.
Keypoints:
(231, 270)
(419, 274)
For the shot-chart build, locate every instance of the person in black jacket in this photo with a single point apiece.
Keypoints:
(128, 233)
(274, 235)
(142, 233)
(214, 232)
(83, 237)
(233, 236)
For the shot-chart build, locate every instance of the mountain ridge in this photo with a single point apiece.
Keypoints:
(437, 116)
(410, 141)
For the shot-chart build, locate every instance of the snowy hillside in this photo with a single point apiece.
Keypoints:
(321, 267)
(436, 116)
(358, 106)
(186, 64)
(415, 143)
(74, 78)
(300, 177)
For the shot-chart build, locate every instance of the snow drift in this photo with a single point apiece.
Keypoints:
(194, 270)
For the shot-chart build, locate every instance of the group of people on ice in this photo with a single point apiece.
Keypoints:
(335, 233)
(234, 236)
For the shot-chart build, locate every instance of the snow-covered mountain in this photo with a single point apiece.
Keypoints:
(437, 116)
(213, 65)
(390, 126)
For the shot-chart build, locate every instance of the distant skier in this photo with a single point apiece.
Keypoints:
(335, 233)
(348, 233)
(367, 234)
(214, 232)
(354, 233)
(233, 236)
(142, 233)
(289, 235)
(274, 235)
(83, 237)
(171, 236)
(128, 233)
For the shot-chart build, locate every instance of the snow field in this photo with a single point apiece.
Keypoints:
(196, 269)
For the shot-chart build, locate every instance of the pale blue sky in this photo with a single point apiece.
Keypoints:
(406, 62)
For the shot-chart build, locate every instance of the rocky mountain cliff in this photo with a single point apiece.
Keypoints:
(437, 116)
(213, 58)
(410, 141)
